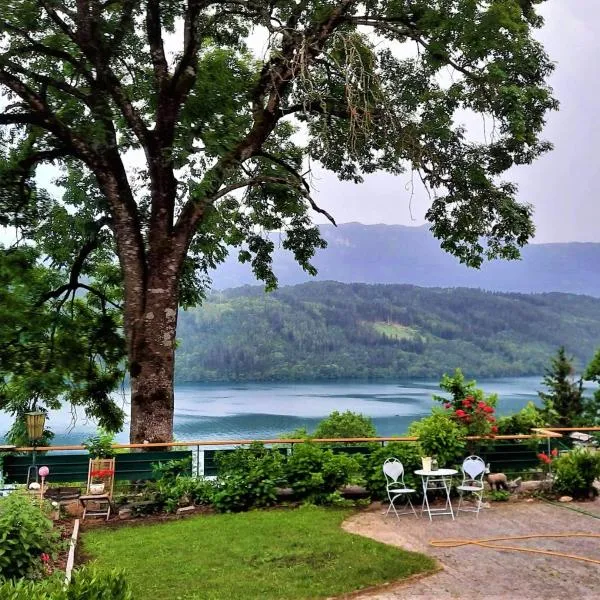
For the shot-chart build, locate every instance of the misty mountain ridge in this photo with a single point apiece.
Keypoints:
(398, 254)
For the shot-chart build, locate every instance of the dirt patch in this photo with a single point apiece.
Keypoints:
(473, 572)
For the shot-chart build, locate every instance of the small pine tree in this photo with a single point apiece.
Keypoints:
(565, 393)
(591, 413)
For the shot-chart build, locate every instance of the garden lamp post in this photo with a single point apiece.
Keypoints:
(34, 422)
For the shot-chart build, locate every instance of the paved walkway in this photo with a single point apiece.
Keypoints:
(473, 572)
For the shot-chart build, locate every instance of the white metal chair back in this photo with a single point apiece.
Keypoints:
(393, 470)
(473, 470)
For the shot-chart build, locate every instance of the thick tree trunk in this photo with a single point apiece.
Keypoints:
(152, 361)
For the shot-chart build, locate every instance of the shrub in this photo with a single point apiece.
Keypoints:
(440, 436)
(248, 478)
(315, 473)
(86, 584)
(407, 453)
(345, 425)
(523, 421)
(25, 534)
(173, 487)
(576, 471)
(172, 468)
(169, 493)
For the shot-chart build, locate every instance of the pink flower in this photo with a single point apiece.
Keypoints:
(554, 452)
(489, 409)
(447, 405)
(461, 413)
(45, 557)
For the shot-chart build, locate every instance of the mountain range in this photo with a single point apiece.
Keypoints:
(411, 255)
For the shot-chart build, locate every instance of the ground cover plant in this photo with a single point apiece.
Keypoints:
(260, 555)
(86, 584)
(27, 539)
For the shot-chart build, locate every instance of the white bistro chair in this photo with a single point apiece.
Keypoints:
(395, 486)
(473, 470)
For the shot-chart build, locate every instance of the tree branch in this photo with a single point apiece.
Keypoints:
(290, 169)
(155, 41)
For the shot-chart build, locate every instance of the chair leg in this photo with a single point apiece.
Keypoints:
(479, 496)
(411, 506)
(460, 498)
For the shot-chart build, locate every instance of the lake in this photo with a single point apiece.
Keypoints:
(265, 410)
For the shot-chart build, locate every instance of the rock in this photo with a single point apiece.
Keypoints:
(486, 505)
(515, 484)
(125, 513)
(565, 499)
(530, 500)
(353, 491)
(535, 485)
(185, 509)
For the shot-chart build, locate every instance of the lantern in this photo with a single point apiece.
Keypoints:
(35, 425)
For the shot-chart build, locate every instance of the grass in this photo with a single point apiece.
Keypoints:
(395, 331)
(266, 555)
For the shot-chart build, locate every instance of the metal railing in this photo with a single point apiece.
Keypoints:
(200, 447)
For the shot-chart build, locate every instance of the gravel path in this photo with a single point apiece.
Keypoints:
(473, 572)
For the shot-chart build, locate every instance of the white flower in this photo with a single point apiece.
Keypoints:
(34, 485)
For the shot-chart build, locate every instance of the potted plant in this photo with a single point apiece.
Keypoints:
(100, 445)
(98, 482)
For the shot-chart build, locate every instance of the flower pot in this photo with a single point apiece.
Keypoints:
(96, 488)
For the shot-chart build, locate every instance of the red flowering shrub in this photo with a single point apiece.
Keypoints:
(476, 416)
(468, 405)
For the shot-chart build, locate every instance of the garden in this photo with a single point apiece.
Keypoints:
(273, 514)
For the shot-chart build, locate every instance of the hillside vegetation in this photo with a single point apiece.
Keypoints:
(328, 330)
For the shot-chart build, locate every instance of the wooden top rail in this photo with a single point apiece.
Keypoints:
(567, 429)
(538, 433)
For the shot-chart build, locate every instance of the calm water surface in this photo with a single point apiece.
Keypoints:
(255, 411)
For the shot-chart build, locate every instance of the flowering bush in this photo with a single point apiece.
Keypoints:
(468, 405)
(477, 416)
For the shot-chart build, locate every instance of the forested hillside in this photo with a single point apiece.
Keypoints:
(328, 330)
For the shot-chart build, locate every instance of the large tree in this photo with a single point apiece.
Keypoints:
(177, 155)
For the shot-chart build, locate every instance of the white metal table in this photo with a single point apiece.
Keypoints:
(436, 480)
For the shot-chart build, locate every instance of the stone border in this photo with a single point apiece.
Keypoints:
(71, 557)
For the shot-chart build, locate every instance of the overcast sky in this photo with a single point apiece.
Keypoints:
(561, 184)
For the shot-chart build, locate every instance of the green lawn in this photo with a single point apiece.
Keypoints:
(262, 555)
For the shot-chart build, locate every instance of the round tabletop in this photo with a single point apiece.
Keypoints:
(438, 473)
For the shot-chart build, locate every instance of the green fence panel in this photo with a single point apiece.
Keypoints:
(513, 457)
(68, 468)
